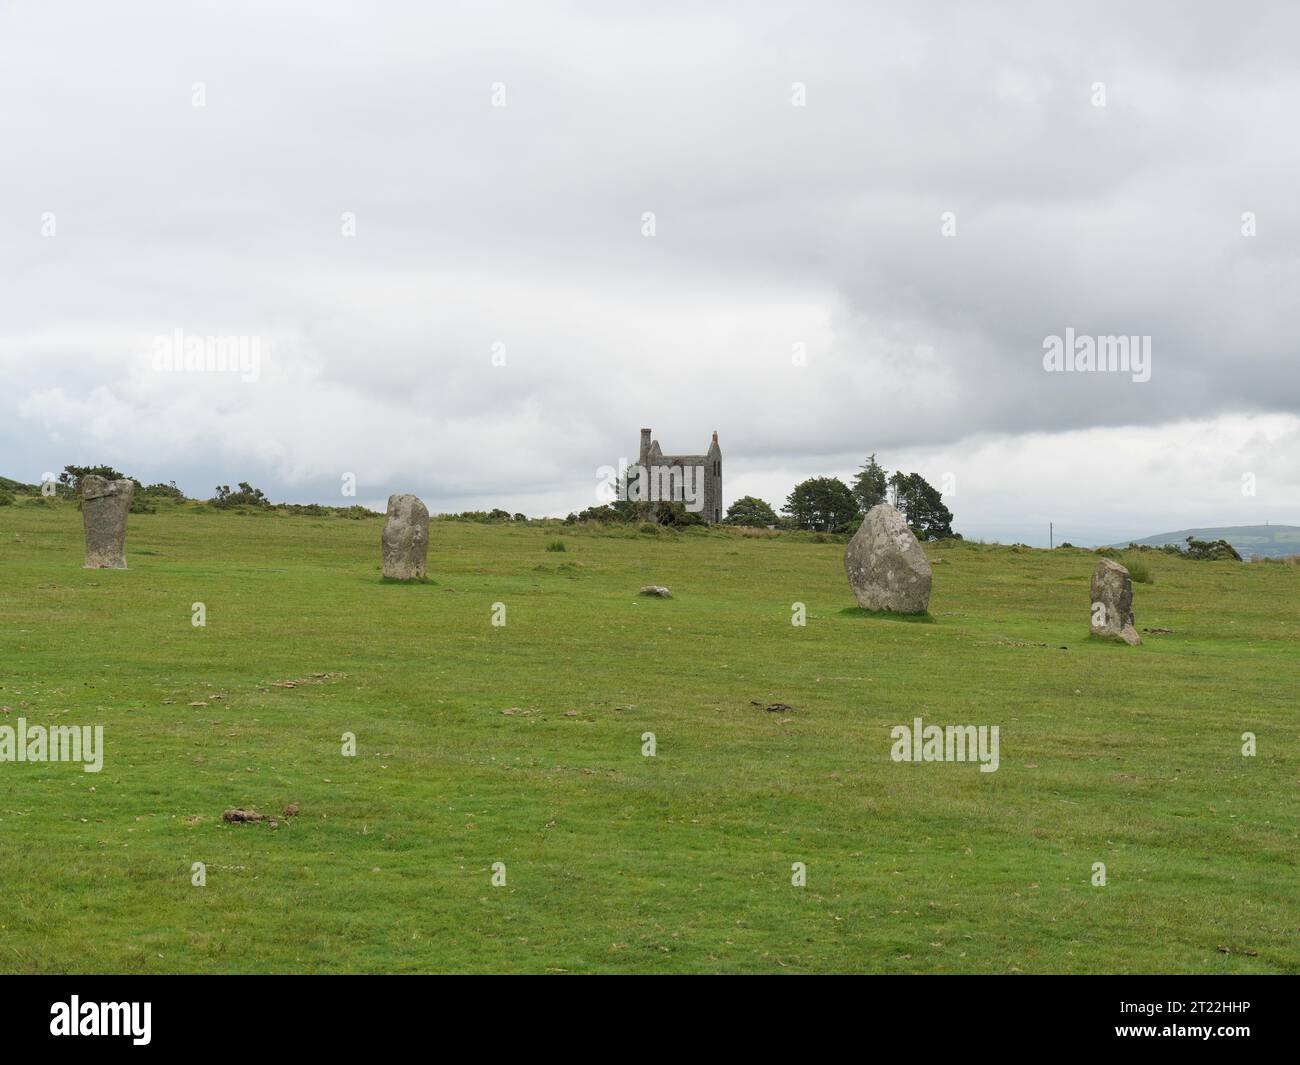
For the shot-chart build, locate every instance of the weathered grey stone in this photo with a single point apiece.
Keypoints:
(657, 589)
(406, 538)
(104, 507)
(1112, 602)
(886, 566)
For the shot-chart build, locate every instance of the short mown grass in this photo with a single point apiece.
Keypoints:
(615, 861)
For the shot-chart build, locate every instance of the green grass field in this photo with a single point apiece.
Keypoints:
(618, 862)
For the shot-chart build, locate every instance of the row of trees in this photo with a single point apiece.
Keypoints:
(827, 504)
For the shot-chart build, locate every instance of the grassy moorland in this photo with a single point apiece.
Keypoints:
(616, 861)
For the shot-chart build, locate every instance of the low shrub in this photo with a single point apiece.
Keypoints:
(1211, 550)
(1137, 569)
(167, 491)
(245, 496)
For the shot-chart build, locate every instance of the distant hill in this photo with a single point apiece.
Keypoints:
(1267, 541)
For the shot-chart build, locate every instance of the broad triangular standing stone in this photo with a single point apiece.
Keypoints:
(886, 566)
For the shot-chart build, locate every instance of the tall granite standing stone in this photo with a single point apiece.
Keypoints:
(104, 507)
(406, 538)
(886, 566)
(1112, 602)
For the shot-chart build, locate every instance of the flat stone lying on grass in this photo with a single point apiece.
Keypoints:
(406, 538)
(655, 589)
(1112, 602)
(886, 567)
(104, 507)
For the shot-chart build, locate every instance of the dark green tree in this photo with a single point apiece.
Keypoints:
(869, 486)
(630, 509)
(750, 511)
(922, 505)
(822, 503)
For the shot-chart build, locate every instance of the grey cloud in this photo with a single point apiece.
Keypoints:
(776, 225)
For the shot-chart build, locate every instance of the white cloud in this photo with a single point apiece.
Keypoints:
(776, 225)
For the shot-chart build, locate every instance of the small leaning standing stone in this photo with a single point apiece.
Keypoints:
(104, 507)
(655, 589)
(406, 538)
(1112, 602)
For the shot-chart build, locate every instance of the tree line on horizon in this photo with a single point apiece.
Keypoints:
(821, 504)
(827, 504)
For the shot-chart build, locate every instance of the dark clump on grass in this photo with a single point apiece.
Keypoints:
(888, 615)
(413, 580)
(556, 545)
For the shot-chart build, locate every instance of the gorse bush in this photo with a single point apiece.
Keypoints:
(166, 491)
(556, 545)
(70, 478)
(605, 514)
(1211, 550)
(669, 513)
(246, 496)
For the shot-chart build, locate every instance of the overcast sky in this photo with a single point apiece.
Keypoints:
(127, 213)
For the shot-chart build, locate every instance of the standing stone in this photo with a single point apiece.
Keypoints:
(104, 507)
(406, 538)
(886, 566)
(1112, 602)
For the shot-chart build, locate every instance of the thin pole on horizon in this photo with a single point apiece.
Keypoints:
(1051, 536)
